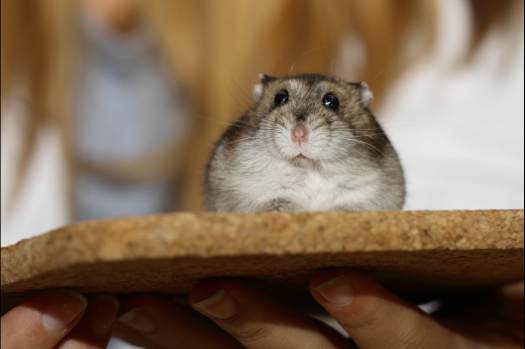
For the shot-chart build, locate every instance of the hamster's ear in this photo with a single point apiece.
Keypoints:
(259, 88)
(265, 78)
(366, 94)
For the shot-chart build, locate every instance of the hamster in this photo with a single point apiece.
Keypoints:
(309, 144)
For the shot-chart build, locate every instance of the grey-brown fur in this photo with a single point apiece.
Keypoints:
(347, 163)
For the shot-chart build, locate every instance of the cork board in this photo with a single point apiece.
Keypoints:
(418, 254)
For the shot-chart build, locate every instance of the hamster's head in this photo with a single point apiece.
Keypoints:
(316, 117)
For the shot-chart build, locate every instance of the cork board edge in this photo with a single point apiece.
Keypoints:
(214, 235)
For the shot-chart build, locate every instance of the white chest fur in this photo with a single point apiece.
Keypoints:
(308, 187)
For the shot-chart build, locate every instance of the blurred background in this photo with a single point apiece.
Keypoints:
(111, 107)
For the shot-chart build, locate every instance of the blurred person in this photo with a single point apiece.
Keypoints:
(122, 108)
(107, 106)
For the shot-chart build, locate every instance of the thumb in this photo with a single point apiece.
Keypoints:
(376, 318)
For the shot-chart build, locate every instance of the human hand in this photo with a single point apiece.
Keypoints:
(60, 319)
(374, 318)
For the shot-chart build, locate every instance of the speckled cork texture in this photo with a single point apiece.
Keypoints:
(411, 252)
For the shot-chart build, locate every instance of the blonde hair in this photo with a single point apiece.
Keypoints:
(215, 51)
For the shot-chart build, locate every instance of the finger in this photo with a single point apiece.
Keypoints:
(131, 336)
(43, 320)
(514, 292)
(376, 318)
(488, 315)
(95, 328)
(256, 321)
(150, 320)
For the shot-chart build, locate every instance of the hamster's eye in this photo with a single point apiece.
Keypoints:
(281, 97)
(330, 101)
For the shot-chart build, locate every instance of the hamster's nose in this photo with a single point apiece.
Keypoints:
(299, 134)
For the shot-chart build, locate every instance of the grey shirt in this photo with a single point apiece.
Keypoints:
(126, 108)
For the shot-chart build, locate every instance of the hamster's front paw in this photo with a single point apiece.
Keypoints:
(280, 205)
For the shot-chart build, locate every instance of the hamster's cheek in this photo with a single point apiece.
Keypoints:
(319, 143)
(284, 143)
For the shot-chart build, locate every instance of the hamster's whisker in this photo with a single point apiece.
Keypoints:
(402, 94)
(237, 84)
(280, 123)
(319, 126)
(369, 135)
(225, 144)
(281, 115)
(304, 54)
(332, 58)
(235, 99)
(219, 121)
(367, 129)
(365, 143)
(246, 139)
(377, 75)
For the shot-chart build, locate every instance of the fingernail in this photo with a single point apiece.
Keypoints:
(101, 314)
(138, 320)
(221, 305)
(62, 307)
(337, 291)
